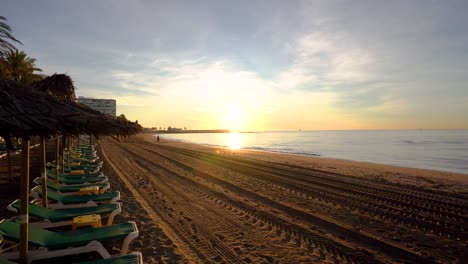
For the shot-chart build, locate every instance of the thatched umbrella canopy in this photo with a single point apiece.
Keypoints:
(22, 114)
(26, 112)
(60, 85)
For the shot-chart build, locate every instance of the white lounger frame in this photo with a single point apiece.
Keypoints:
(46, 223)
(58, 205)
(101, 190)
(93, 246)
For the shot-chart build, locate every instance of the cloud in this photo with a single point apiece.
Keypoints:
(360, 61)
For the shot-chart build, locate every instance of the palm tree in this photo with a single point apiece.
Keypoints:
(59, 85)
(18, 66)
(5, 34)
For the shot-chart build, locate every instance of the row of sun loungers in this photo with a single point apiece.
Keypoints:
(81, 194)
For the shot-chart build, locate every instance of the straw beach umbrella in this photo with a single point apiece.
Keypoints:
(17, 119)
(26, 112)
(60, 85)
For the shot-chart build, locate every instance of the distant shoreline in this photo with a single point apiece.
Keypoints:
(192, 131)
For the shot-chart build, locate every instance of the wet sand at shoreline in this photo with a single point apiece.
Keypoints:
(197, 204)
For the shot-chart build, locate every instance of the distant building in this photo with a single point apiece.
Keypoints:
(107, 106)
(174, 129)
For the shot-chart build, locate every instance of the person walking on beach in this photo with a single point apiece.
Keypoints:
(157, 138)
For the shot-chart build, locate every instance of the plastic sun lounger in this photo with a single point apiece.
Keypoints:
(57, 244)
(82, 166)
(71, 166)
(109, 197)
(80, 159)
(67, 175)
(64, 180)
(85, 154)
(68, 168)
(72, 188)
(4, 261)
(84, 149)
(88, 157)
(78, 179)
(87, 162)
(132, 258)
(64, 217)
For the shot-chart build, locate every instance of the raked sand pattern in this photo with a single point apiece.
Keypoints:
(196, 204)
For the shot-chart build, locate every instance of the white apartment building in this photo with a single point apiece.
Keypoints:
(107, 106)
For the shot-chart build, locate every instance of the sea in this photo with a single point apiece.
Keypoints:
(442, 150)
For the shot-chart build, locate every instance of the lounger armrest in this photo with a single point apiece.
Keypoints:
(116, 198)
(11, 208)
(112, 215)
(139, 256)
(36, 180)
(105, 188)
(66, 206)
(34, 193)
(93, 246)
(105, 179)
(129, 238)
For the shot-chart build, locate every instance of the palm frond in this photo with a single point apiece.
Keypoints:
(5, 34)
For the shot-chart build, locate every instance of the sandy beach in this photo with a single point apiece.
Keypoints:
(197, 204)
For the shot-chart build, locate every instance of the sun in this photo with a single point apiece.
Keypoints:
(234, 118)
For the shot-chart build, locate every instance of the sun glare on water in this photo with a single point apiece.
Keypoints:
(234, 141)
(235, 119)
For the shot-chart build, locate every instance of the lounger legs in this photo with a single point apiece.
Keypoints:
(93, 246)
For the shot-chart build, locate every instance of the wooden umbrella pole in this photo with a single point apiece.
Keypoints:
(57, 157)
(44, 172)
(62, 157)
(69, 149)
(10, 161)
(24, 204)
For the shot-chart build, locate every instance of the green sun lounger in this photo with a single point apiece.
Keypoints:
(67, 164)
(71, 188)
(56, 244)
(84, 161)
(63, 217)
(84, 149)
(87, 162)
(132, 258)
(80, 181)
(91, 158)
(109, 197)
(4, 261)
(86, 154)
(51, 172)
(68, 168)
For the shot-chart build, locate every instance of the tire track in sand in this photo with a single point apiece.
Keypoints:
(167, 230)
(201, 243)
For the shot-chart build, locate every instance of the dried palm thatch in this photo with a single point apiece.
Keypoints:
(25, 112)
(60, 85)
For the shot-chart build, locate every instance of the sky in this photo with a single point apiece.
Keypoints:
(258, 65)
